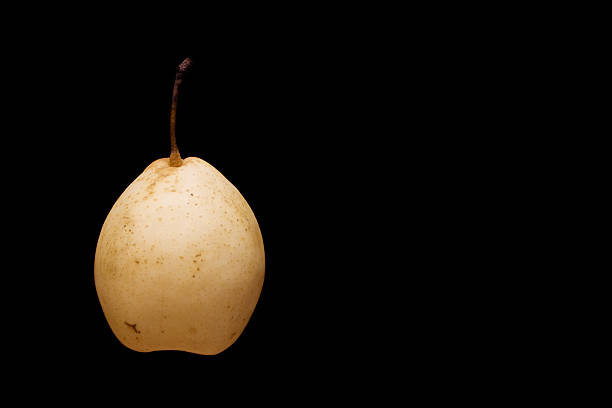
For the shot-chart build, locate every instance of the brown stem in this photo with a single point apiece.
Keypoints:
(175, 156)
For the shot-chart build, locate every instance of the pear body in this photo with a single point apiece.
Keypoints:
(179, 262)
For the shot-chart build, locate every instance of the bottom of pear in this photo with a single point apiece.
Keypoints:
(184, 350)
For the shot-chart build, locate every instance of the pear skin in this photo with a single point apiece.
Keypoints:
(180, 262)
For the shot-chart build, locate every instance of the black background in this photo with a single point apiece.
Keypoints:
(358, 150)
(383, 154)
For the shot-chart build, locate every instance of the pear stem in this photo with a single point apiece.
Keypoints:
(175, 156)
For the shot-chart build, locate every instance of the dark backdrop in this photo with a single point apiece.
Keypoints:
(383, 155)
(358, 153)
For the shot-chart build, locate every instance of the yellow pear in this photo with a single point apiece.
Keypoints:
(180, 261)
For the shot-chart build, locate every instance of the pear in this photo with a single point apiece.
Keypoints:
(179, 263)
